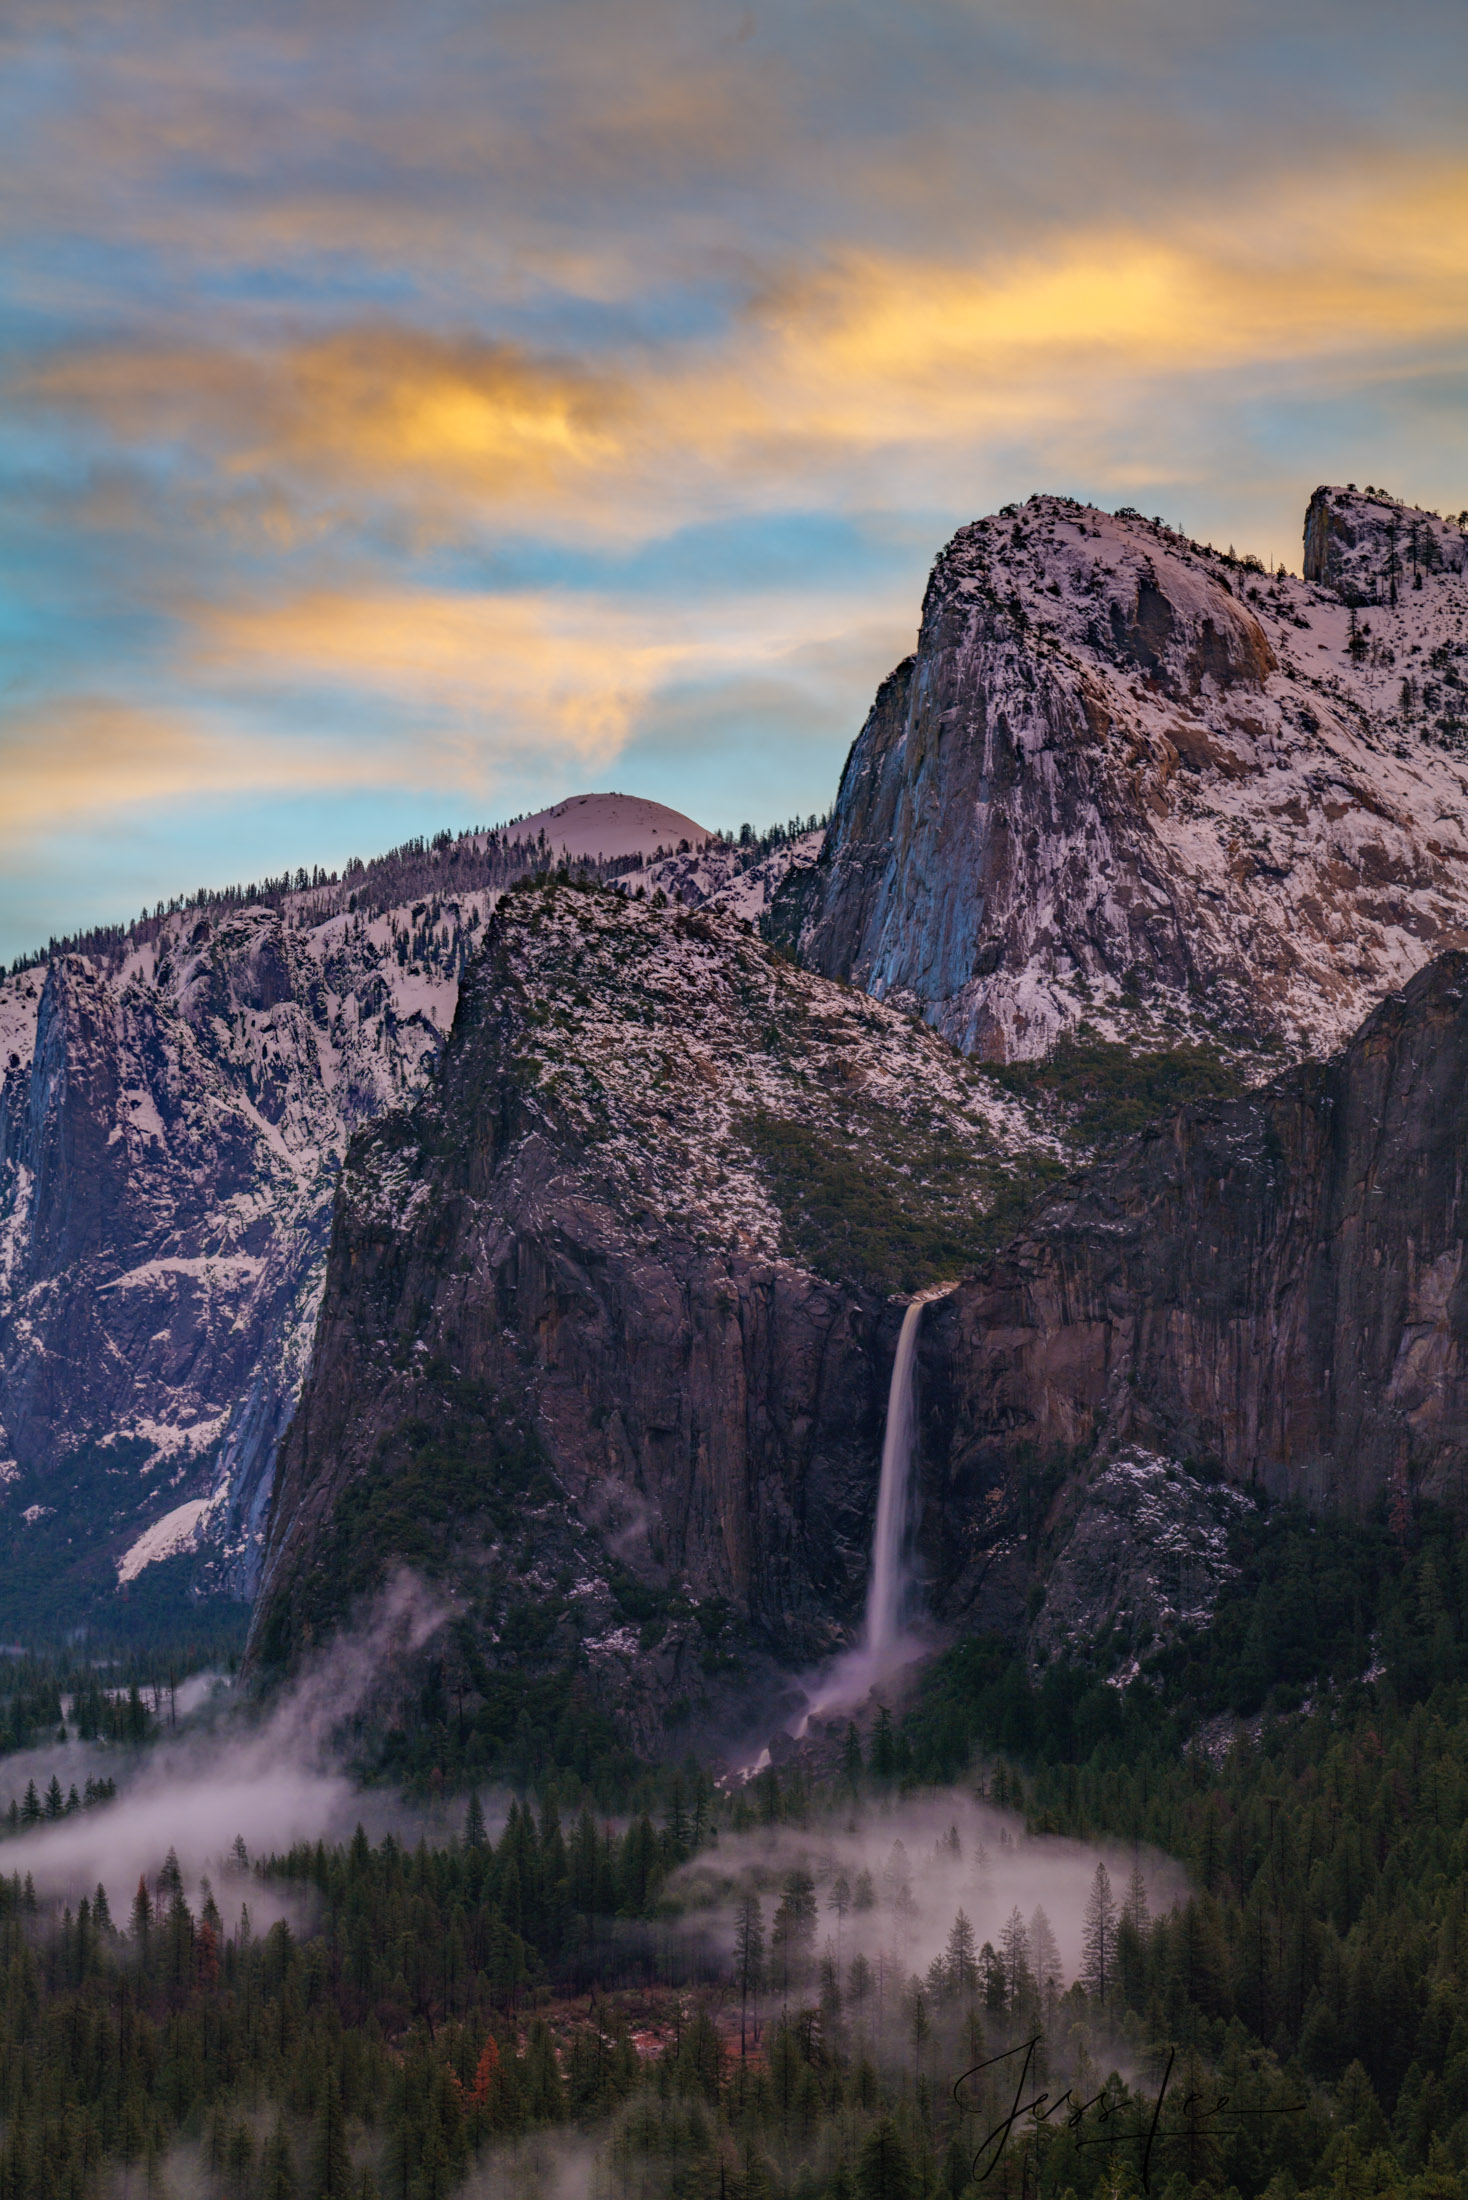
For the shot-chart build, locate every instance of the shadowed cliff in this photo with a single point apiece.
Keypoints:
(1269, 1289)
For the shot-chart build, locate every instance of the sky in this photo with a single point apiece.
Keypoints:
(411, 414)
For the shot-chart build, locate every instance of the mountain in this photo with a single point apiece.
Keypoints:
(1130, 783)
(1131, 794)
(175, 1101)
(608, 1324)
(1268, 1291)
(596, 827)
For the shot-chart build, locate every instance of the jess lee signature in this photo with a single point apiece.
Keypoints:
(1041, 2114)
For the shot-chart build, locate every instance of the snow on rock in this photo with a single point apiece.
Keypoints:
(722, 873)
(1145, 1556)
(176, 1532)
(174, 1109)
(1131, 782)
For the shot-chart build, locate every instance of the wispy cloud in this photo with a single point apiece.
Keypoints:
(352, 359)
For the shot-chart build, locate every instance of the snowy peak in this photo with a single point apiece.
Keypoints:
(1127, 589)
(1132, 783)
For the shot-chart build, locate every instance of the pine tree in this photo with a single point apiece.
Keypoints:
(749, 1956)
(961, 1958)
(795, 1927)
(1044, 1956)
(1014, 1948)
(278, 2178)
(475, 1835)
(142, 1918)
(330, 2174)
(1098, 1939)
(884, 2169)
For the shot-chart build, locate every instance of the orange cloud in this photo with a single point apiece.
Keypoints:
(865, 360)
(90, 755)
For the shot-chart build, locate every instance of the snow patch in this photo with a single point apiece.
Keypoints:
(178, 1531)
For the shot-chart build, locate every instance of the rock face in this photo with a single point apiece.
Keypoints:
(1128, 781)
(175, 1102)
(575, 1360)
(1272, 1288)
(169, 1141)
(1139, 1556)
(1368, 549)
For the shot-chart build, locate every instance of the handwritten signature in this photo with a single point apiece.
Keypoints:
(1041, 2114)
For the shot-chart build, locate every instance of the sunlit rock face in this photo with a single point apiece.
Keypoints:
(1269, 1291)
(1131, 781)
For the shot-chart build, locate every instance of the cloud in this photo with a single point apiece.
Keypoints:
(344, 348)
(844, 377)
(486, 681)
(81, 755)
(367, 406)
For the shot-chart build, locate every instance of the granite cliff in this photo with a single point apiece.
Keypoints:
(608, 1321)
(1131, 782)
(175, 1101)
(1267, 1292)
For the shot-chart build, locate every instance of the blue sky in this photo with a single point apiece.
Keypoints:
(413, 415)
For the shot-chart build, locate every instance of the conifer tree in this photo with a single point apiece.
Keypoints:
(884, 2167)
(1098, 1939)
(278, 2180)
(330, 2174)
(749, 1956)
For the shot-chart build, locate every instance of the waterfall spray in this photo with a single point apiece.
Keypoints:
(884, 1646)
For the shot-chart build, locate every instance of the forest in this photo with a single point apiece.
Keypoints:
(641, 1984)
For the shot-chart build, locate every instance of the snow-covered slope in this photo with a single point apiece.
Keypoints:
(170, 1130)
(1131, 781)
(175, 1102)
(725, 875)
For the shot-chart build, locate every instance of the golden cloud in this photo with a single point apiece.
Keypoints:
(865, 359)
(93, 755)
(372, 405)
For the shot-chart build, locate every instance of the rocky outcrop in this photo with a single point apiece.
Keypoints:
(1271, 1290)
(175, 1101)
(1367, 548)
(582, 1358)
(1139, 1555)
(1131, 783)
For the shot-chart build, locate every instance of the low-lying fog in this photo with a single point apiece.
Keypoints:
(892, 1876)
(229, 1772)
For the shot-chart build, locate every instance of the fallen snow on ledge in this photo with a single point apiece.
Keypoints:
(177, 1531)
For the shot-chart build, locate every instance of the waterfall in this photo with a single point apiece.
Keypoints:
(884, 1647)
(888, 1583)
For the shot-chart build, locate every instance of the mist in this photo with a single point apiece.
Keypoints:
(927, 1857)
(267, 1776)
